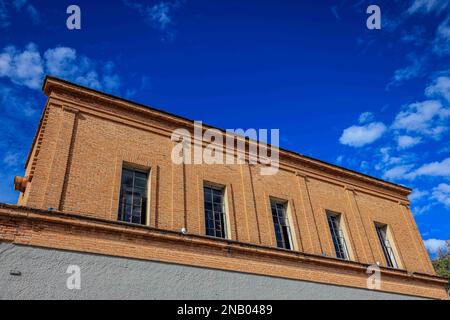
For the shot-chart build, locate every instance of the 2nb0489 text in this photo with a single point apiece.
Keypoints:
(241, 309)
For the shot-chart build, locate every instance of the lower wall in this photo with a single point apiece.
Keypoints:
(43, 276)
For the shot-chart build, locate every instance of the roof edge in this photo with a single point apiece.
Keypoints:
(403, 190)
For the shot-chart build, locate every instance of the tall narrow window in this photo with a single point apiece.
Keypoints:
(281, 224)
(382, 232)
(337, 234)
(215, 218)
(133, 196)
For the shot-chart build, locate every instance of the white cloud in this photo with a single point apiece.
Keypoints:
(393, 167)
(427, 117)
(334, 11)
(358, 136)
(15, 103)
(441, 43)
(405, 142)
(66, 63)
(23, 68)
(366, 117)
(12, 159)
(412, 71)
(427, 6)
(34, 14)
(413, 36)
(17, 6)
(397, 172)
(441, 193)
(159, 15)
(29, 8)
(445, 149)
(58, 61)
(433, 245)
(5, 63)
(417, 194)
(364, 165)
(28, 67)
(387, 159)
(4, 15)
(439, 88)
(433, 169)
(417, 211)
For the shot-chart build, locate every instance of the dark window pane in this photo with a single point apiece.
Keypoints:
(141, 192)
(141, 183)
(282, 233)
(140, 175)
(137, 201)
(128, 198)
(210, 232)
(136, 219)
(127, 181)
(209, 224)
(337, 236)
(133, 197)
(209, 214)
(217, 199)
(209, 206)
(217, 207)
(137, 211)
(214, 212)
(386, 246)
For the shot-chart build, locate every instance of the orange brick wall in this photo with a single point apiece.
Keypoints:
(68, 232)
(88, 136)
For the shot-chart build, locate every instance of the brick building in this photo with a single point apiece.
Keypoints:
(100, 192)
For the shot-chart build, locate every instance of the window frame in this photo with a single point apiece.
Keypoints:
(147, 172)
(390, 252)
(288, 223)
(342, 234)
(225, 217)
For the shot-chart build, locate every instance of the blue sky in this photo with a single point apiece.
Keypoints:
(375, 101)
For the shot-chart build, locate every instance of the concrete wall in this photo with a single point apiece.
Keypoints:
(43, 276)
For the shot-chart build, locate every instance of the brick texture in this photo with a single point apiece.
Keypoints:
(85, 137)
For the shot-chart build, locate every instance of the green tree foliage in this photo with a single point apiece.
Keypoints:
(442, 262)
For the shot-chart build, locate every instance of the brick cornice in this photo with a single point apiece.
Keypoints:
(70, 109)
(86, 94)
(34, 227)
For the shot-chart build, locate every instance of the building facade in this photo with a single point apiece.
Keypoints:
(101, 192)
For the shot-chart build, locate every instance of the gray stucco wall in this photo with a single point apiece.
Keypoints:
(43, 276)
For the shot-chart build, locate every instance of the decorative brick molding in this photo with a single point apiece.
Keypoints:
(66, 231)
